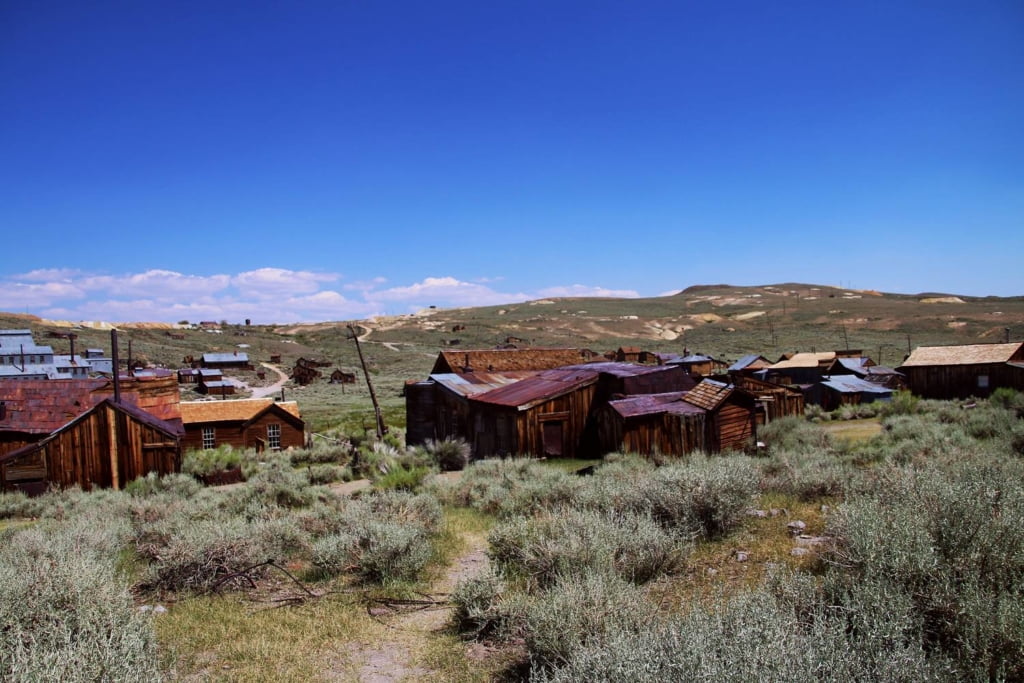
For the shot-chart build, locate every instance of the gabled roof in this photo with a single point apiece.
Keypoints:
(754, 362)
(474, 383)
(505, 360)
(969, 354)
(709, 394)
(805, 360)
(654, 404)
(242, 410)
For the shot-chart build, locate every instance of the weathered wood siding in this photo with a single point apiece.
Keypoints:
(106, 448)
(554, 428)
(420, 412)
(777, 400)
(733, 427)
(665, 433)
(962, 381)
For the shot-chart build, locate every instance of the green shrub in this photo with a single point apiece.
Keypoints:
(479, 608)
(376, 551)
(507, 487)
(901, 403)
(203, 462)
(807, 474)
(581, 612)
(793, 434)
(325, 474)
(572, 541)
(179, 485)
(17, 504)
(66, 613)
(449, 455)
(401, 478)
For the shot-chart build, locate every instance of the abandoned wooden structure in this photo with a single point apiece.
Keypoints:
(951, 372)
(504, 360)
(699, 364)
(307, 370)
(235, 359)
(773, 400)
(843, 390)
(259, 423)
(748, 365)
(107, 446)
(652, 424)
(342, 377)
(732, 415)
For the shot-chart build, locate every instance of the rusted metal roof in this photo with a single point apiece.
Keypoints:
(709, 394)
(505, 360)
(43, 406)
(655, 404)
(232, 411)
(474, 383)
(969, 354)
(541, 387)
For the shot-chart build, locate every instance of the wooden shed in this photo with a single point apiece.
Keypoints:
(504, 360)
(732, 414)
(653, 424)
(545, 415)
(774, 400)
(949, 372)
(107, 446)
(342, 377)
(842, 390)
(259, 423)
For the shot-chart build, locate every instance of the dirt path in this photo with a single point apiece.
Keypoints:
(260, 392)
(408, 634)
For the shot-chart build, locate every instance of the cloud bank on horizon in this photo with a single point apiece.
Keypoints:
(264, 295)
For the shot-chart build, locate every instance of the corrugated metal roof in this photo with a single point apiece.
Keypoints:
(542, 387)
(473, 383)
(654, 404)
(618, 369)
(969, 354)
(851, 384)
(232, 411)
(709, 394)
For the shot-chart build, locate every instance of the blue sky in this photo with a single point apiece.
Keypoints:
(333, 160)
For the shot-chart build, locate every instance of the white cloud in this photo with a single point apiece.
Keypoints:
(16, 296)
(671, 292)
(48, 275)
(365, 285)
(162, 284)
(585, 290)
(280, 282)
(445, 292)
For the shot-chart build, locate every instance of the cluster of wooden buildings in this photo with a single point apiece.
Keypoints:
(106, 432)
(563, 402)
(553, 403)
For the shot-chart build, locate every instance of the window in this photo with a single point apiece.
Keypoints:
(209, 438)
(983, 381)
(274, 437)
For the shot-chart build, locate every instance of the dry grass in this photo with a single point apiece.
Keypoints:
(853, 431)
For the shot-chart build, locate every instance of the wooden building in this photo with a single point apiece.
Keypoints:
(842, 390)
(342, 377)
(307, 370)
(731, 423)
(950, 372)
(259, 423)
(653, 424)
(748, 365)
(107, 446)
(504, 360)
(773, 400)
(235, 359)
(628, 354)
(699, 364)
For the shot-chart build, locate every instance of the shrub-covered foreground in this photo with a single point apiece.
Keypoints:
(920, 575)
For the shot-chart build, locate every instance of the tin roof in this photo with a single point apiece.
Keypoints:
(539, 388)
(709, 394)
(851, 384)
(41, 406)
(654, 404)
(474, 383)
(232, 411)
(969, 354)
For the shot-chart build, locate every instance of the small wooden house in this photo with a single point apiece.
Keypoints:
(628, 354)
(107, 446)
(732, 415)
(699, 364)
(259, 423)
(653, 424)
(342, 377)
(504, 360)
(948, 372)
(748, 365)
(841, 390)
(235, 359)
(773, 400)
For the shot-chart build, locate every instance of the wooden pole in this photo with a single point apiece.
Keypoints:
(381, 429)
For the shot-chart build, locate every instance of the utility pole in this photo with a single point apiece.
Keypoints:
(381, 429)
